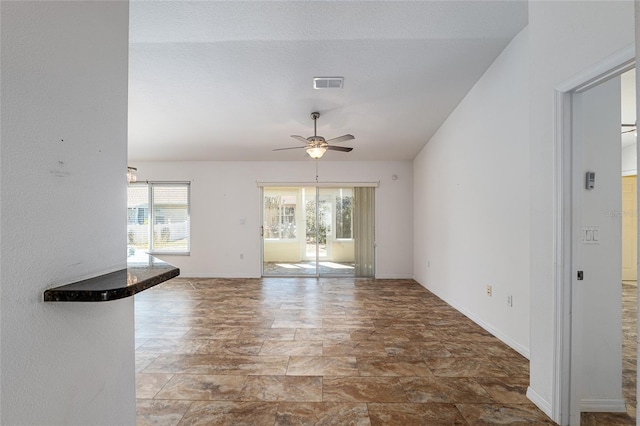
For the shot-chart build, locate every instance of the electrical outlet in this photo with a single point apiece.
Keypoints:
(489, 291)
(509, 300)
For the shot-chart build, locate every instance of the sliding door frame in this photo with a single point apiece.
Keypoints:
(317, 186)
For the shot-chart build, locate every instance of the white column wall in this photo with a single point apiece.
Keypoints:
(64, 69)
(225, 210)
(597, 138)
(471, 198)
(566, 37)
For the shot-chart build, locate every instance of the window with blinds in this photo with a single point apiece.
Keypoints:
(158, 218)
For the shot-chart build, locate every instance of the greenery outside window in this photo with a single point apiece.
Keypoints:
(344, 213)
(280, 217)
(158, 217)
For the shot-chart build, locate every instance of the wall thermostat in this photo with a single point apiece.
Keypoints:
(591, 180)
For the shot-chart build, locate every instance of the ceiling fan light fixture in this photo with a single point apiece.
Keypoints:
(316, 152)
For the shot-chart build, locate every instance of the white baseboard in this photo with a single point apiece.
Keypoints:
(488, 327)
(603, 405)
(210, 275)
(394, 276)
(540, 402)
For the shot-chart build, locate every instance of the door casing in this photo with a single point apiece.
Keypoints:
(565, 397)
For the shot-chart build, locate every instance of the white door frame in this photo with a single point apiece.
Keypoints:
(565, 399)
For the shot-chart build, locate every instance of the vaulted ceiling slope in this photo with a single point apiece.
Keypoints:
(231, 80)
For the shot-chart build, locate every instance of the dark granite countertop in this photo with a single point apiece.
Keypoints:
(139, 275)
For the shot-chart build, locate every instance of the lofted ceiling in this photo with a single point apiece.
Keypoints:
(232, 80)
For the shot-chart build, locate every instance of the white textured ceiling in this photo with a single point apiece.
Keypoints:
(231, 80)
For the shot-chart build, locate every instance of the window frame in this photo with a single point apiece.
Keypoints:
(151, 215)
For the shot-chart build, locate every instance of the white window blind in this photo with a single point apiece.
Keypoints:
(158, 218)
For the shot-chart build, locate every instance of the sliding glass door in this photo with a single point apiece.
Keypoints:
(317, 231)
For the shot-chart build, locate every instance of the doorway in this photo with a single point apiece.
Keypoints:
(588, 245)
(315, 231)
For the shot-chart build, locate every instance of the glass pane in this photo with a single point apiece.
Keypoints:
(336, 245)
(285, 232)
(137, 219)
(170, 218)
(304, 234)
(279, 216)
(310, 224)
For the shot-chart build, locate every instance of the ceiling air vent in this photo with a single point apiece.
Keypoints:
(328, 82)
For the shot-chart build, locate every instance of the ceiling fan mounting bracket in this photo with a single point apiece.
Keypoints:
(315, 115)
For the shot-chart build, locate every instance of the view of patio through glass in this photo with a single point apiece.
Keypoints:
(309, 231)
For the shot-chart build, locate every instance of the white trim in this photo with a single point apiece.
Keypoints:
(394, 277)
(319, 184)
(613, 65)
(488, 327)
(600, 72)
(214, 275)
(540, 402)
(607, 405)
(524, 351)
(626, 173)
(562, 256)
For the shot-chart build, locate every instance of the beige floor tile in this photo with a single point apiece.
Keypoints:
(511, 391)
(214, 364)
(432, 389)
(320, 334)
(322, 366)
(201, 387)
(223, 413)
(148, 385)
(292, 348)
(392, 366)
(513, 414)
(363, 389)
(414, 414)
(323, 413)
(160, 413)
(354, 348)
(282, 388)
(464, 367)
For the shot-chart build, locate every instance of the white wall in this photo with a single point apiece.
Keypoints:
(565, 38)
(223, 194)
(597, 132)
(472, 203)
(629, 160)
(64, 72)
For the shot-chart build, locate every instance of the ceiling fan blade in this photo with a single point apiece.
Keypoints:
(293, 147)
(339, 148)
(300, 138)
(342, 138)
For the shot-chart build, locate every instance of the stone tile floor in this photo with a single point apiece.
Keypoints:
(283, 351)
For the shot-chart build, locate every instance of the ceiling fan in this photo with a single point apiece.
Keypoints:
(316, 145)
